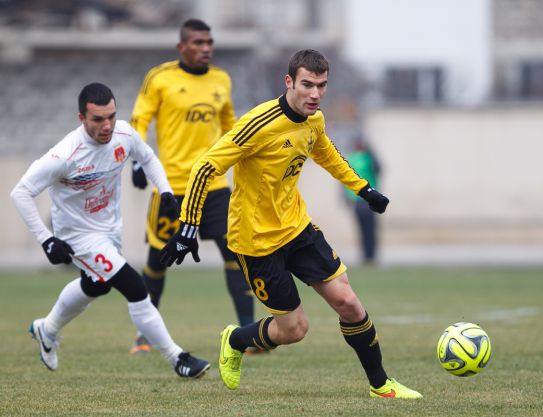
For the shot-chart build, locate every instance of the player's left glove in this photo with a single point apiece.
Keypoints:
(377, 201)
(138, 176)
(182, 242)
(170, 204)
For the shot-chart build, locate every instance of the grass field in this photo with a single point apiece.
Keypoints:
(318, 377)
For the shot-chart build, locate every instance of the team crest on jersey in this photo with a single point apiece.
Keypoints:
(310, 144)
(119, 153)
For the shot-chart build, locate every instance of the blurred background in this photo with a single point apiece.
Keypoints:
(447, 93)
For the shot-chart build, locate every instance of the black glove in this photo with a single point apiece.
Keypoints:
(138, 176)
(377, 201)
(181, 243)
(170, 205)
(57, 251)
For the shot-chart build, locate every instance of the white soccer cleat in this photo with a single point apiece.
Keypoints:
(48, 346)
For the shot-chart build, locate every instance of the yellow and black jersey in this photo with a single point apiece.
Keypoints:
(192, 110)
(267, 147)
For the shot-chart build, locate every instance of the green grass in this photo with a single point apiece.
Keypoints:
(318, 377)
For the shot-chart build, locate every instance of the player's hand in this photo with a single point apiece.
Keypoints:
(170, 204)
(57, 251)
(182, 242)
(377, 201)
(138, 176)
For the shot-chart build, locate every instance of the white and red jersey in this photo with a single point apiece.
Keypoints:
(84, 181)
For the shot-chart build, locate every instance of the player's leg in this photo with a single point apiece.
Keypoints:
(368, 224)
(214, 225)
(72, 301)
(359, 333)
(273, 285)
(238, 288)
(314, 262)
(159, 229)
(149, 322)
(356, 326)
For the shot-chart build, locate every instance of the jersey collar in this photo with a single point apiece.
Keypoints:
(291, 114)
(193, 71)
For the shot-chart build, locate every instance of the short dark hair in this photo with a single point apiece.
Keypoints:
(311, 60)
(193, 25)
(95, 93)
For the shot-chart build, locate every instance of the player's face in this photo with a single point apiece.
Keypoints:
(100, 121)
(305, 94)
(197, 50)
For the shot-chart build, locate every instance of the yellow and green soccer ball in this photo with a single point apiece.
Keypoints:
(463, 349)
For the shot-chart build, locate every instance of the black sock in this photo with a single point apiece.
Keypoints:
(154, 281)
(241, 293)
(362, 337)
(254, 334)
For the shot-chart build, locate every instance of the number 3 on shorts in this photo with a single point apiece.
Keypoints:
(101, 259)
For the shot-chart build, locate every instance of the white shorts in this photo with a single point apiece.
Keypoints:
(99, 256)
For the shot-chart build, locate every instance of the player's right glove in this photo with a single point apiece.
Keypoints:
(138, 176)
(377, 201)
(57, 251)
(182, 242)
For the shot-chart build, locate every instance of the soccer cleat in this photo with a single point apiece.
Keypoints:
(393, 389)
(190, 366)
(229, 359)
(141, 345)
(48, 345)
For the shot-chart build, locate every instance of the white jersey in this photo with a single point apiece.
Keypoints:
(84, 181)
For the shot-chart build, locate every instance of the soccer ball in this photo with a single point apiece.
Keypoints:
(463, 349)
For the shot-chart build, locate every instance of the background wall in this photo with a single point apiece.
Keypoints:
(454, 177)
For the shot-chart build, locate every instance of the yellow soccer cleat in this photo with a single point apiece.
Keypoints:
(229, 359)
(393, 389)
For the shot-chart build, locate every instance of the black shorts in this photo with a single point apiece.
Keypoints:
(213, 224)
(308, 257)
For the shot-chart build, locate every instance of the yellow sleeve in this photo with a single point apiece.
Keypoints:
(327, 156)
(228, 115)
(146, 105)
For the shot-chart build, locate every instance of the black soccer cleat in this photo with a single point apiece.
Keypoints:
(189, 366)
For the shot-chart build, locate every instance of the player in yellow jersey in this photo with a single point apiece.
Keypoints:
(191, 102)
(269, 228)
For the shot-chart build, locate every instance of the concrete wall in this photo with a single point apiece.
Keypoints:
(453, 176)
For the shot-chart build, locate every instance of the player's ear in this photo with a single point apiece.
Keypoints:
(289, 82)
(81, 117)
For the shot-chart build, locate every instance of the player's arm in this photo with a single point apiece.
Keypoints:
(41, 174)
(223, 155)
(228, 115)
(326, 155)
(143, 155)
(145, 110)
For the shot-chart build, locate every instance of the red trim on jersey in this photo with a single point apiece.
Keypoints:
(75, 150)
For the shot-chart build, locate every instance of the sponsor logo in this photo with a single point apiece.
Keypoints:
(201, 112)
(295, 166)
(180, 247)
(97, 203)
(85, 169)
(50, 247)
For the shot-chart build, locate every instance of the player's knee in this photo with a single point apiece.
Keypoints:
(347, 303)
